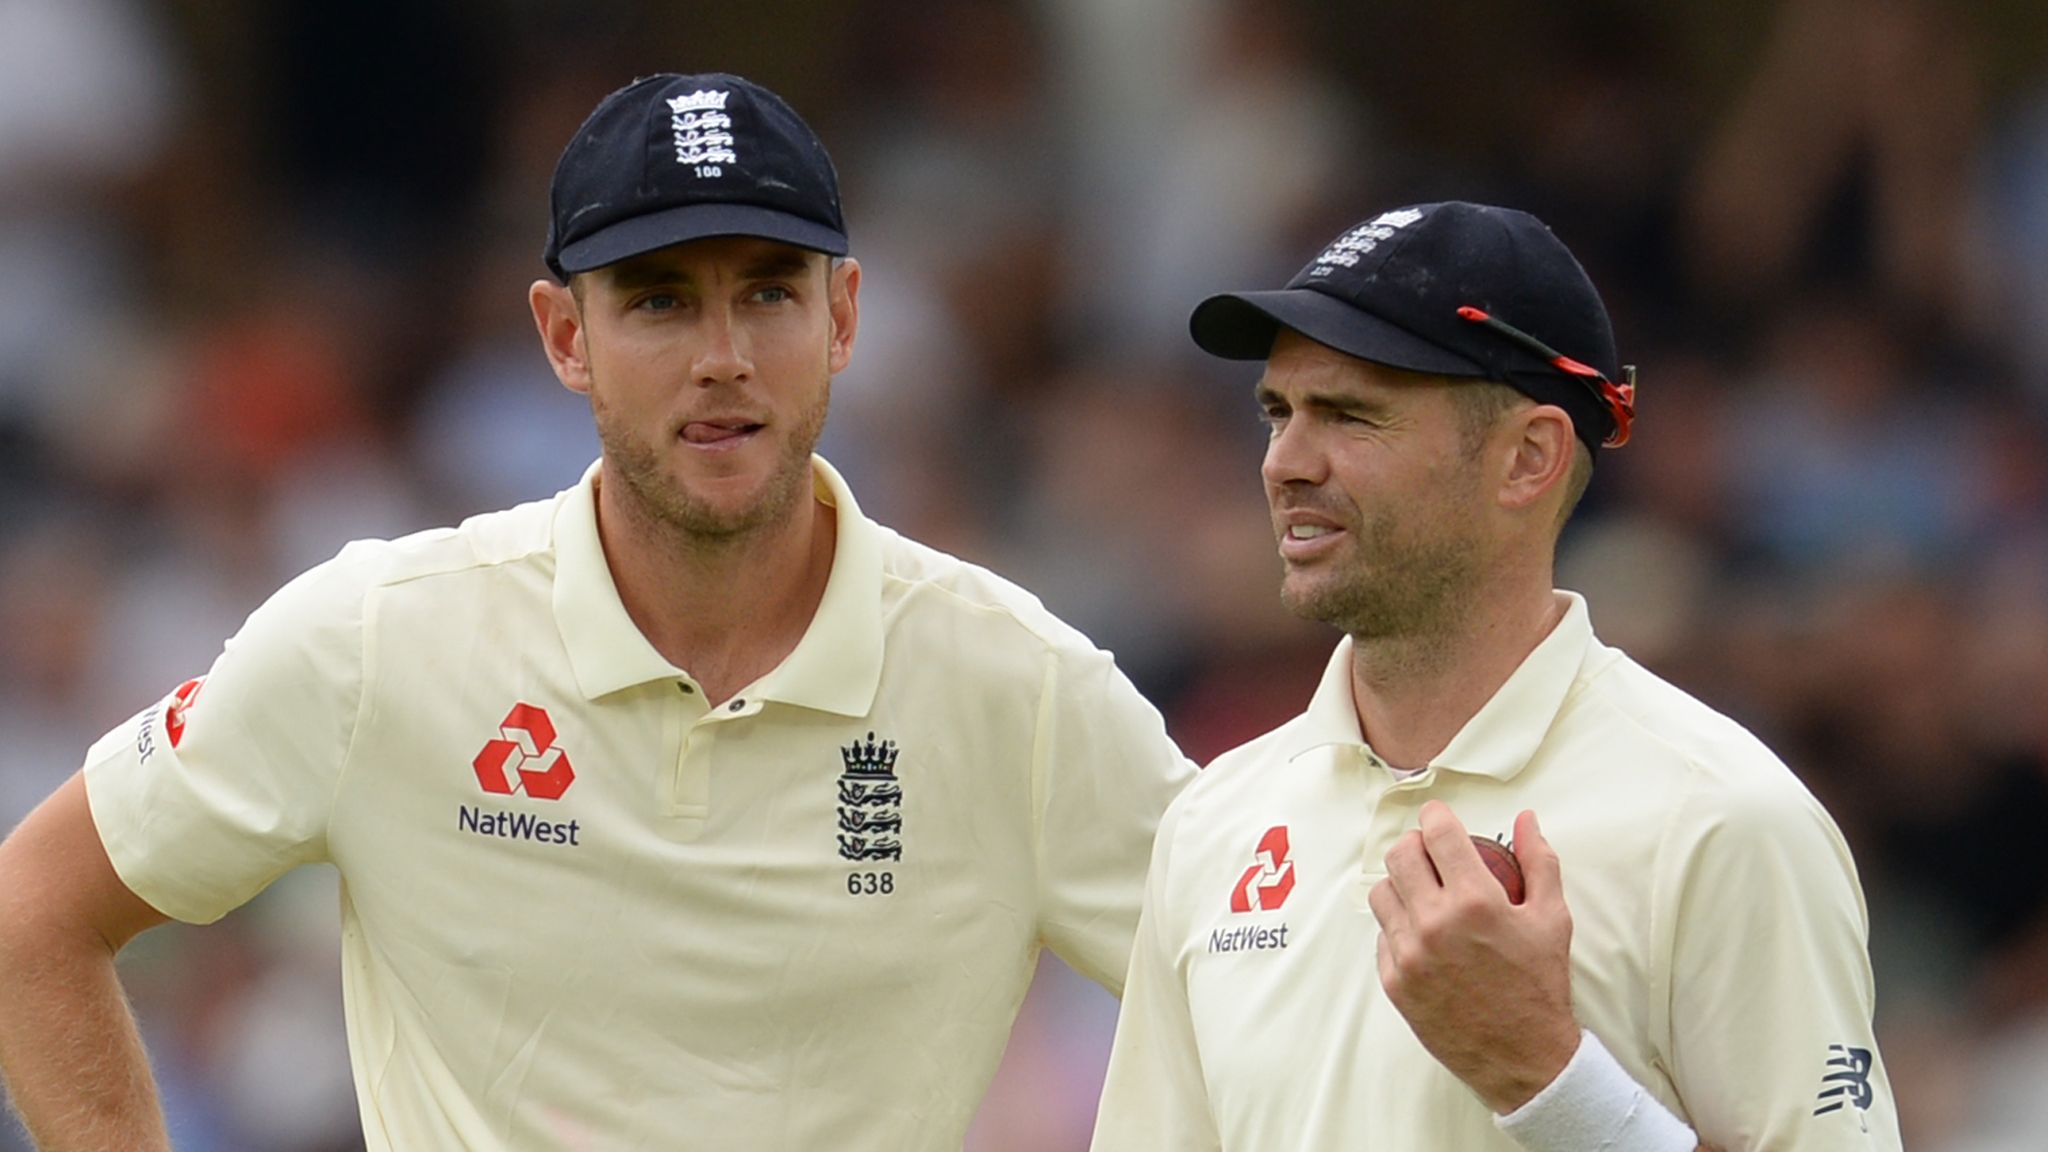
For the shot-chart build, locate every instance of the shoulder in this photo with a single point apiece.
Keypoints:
(512, 536)
(1652, 724)
(1241, 767)
(1728, 792)
(924, 583)
(517, 535)
(326, 613)
(1244, 778)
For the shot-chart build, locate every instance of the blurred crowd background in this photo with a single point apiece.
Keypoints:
(262, 290)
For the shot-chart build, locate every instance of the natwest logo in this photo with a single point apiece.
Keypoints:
(181, 703)
(1265, 885)
(524, 757)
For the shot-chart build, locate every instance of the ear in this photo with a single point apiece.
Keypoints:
(560, 320)
(844, 295)
(1541, 444)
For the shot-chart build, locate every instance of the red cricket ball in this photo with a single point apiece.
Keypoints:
(1500, 860)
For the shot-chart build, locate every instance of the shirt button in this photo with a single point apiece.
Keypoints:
(736, 705)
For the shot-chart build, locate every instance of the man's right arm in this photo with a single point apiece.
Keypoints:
(70, 1055)
(197, 803)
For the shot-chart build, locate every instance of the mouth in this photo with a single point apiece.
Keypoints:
(1304, 538)
(719, 435)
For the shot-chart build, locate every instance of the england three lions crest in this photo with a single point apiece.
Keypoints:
(870, 802)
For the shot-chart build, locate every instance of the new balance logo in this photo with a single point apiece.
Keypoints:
(1847, 1080)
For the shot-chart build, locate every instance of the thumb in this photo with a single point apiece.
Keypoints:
(1542, 874)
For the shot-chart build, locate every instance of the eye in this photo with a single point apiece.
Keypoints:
(773, 294)
(658, 302)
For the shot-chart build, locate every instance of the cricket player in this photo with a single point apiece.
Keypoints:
(1324, 961)
(689, 808)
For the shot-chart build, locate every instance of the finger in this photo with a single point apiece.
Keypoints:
(1383, 953)
(1409, 869)
(1388, 908)
(1450, 846)
(1542, 872)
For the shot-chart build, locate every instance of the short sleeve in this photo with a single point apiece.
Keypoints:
(1770, 994)
(1154, 1095)
(1104, 772)
(207, 796)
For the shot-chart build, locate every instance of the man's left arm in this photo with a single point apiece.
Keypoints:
(1770, 992)
(1103, 773)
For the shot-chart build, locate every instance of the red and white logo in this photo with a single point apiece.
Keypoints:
(524, 757)
(181, 703)
(1265, 885)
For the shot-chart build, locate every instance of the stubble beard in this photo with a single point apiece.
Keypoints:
(1398, 585)
(658, 497)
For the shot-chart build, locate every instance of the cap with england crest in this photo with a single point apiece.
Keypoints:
(672, 158)
(1450, 289)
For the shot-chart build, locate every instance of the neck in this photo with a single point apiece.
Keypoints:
(727, 609)
(1414, 692)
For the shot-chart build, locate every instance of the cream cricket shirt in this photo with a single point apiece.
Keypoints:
(584, 911)
(1719, 945)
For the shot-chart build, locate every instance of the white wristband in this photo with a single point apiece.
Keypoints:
(1594, 1105)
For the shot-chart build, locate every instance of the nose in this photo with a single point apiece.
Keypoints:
(1293, 456)
(723, 352)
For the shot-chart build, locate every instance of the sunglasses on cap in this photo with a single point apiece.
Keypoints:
(1618, 399)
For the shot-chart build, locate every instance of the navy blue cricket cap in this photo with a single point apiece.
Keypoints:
(672, 158)
(1450, 289)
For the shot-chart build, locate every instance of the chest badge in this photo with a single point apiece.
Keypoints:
(1265, 885)
(524, 757)
(870, 802)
